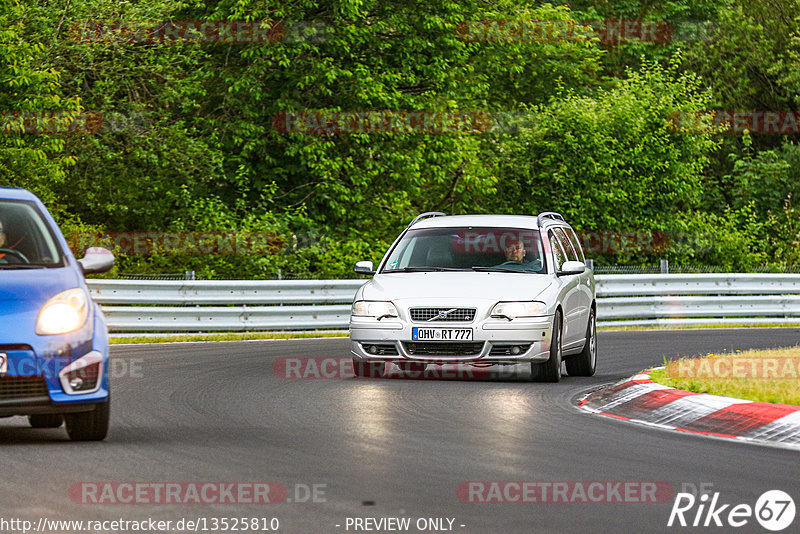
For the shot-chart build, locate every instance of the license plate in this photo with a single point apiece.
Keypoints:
(441, 334)
(3, 363)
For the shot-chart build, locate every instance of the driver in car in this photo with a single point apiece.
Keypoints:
(4, 255)
(515, 250)
(515, 255)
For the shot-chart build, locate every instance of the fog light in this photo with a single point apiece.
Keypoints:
(84, 378)
(373, 349)
(83, 375)
(516, 350)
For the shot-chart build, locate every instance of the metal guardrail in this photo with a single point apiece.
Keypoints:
(625, 285)
(222, 292)
(625, 300)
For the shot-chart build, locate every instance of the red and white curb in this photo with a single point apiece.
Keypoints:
(641, 400)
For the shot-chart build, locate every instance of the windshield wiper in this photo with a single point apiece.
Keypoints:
(501, 270)
(421, 270)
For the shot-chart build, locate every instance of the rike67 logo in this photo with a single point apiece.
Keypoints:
(774, 510)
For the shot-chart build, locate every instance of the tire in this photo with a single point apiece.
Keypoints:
(550, 371)
(368, 369)
(46, 420)
(89, 426)
(585, 363)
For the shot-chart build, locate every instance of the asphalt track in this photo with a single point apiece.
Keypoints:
(384, 447)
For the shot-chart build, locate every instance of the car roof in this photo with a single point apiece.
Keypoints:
(500, 221)
(16, 193)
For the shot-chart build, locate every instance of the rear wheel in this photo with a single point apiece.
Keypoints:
(550, 371)
(89, 426)
(45, 420)
(368, 369)
(585, 363)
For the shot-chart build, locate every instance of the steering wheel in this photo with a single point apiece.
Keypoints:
(19, 255)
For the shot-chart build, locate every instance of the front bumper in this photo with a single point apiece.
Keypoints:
(34, 379)
(493, 341)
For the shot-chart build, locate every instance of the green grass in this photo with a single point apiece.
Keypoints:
(693, 374)
(248, 336)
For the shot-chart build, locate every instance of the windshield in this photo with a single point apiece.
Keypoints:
(468, 248)
(26, 240)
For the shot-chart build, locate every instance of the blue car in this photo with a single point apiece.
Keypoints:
(53, 337)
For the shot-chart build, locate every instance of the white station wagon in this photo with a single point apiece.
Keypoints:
(480, 290)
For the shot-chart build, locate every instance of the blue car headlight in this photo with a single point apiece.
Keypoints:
(63, 313)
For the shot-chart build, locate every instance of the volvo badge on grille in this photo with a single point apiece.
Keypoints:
(442, 314)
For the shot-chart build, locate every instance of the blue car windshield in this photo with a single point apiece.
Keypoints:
(26, 240)
(516, 250)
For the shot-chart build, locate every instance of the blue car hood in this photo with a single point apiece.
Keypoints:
(23, 292)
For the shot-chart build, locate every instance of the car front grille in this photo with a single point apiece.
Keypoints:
(424, 348)
(22, 387)
(464, 315)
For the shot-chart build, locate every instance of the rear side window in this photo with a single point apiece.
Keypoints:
(559, 255)
(576, 244)
(566, 246)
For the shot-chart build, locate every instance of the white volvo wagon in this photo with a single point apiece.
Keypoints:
(481, 290)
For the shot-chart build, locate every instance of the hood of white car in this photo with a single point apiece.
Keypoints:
(438, 286)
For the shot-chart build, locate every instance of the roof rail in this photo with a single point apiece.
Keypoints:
(425, 215)
(548, 215)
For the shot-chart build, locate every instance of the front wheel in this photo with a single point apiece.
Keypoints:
(550, 371)
(89, 426)
(585, 363)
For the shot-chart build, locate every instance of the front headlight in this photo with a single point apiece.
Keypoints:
(63, 313)
(373, 308)
(512, 310)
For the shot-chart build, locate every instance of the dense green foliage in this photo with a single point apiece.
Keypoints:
(192, 139)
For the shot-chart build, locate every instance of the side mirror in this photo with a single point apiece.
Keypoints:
(572, 267)
(96, 260)
(364, 267)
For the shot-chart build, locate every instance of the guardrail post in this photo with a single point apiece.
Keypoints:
(189, 275)
(664, 266)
